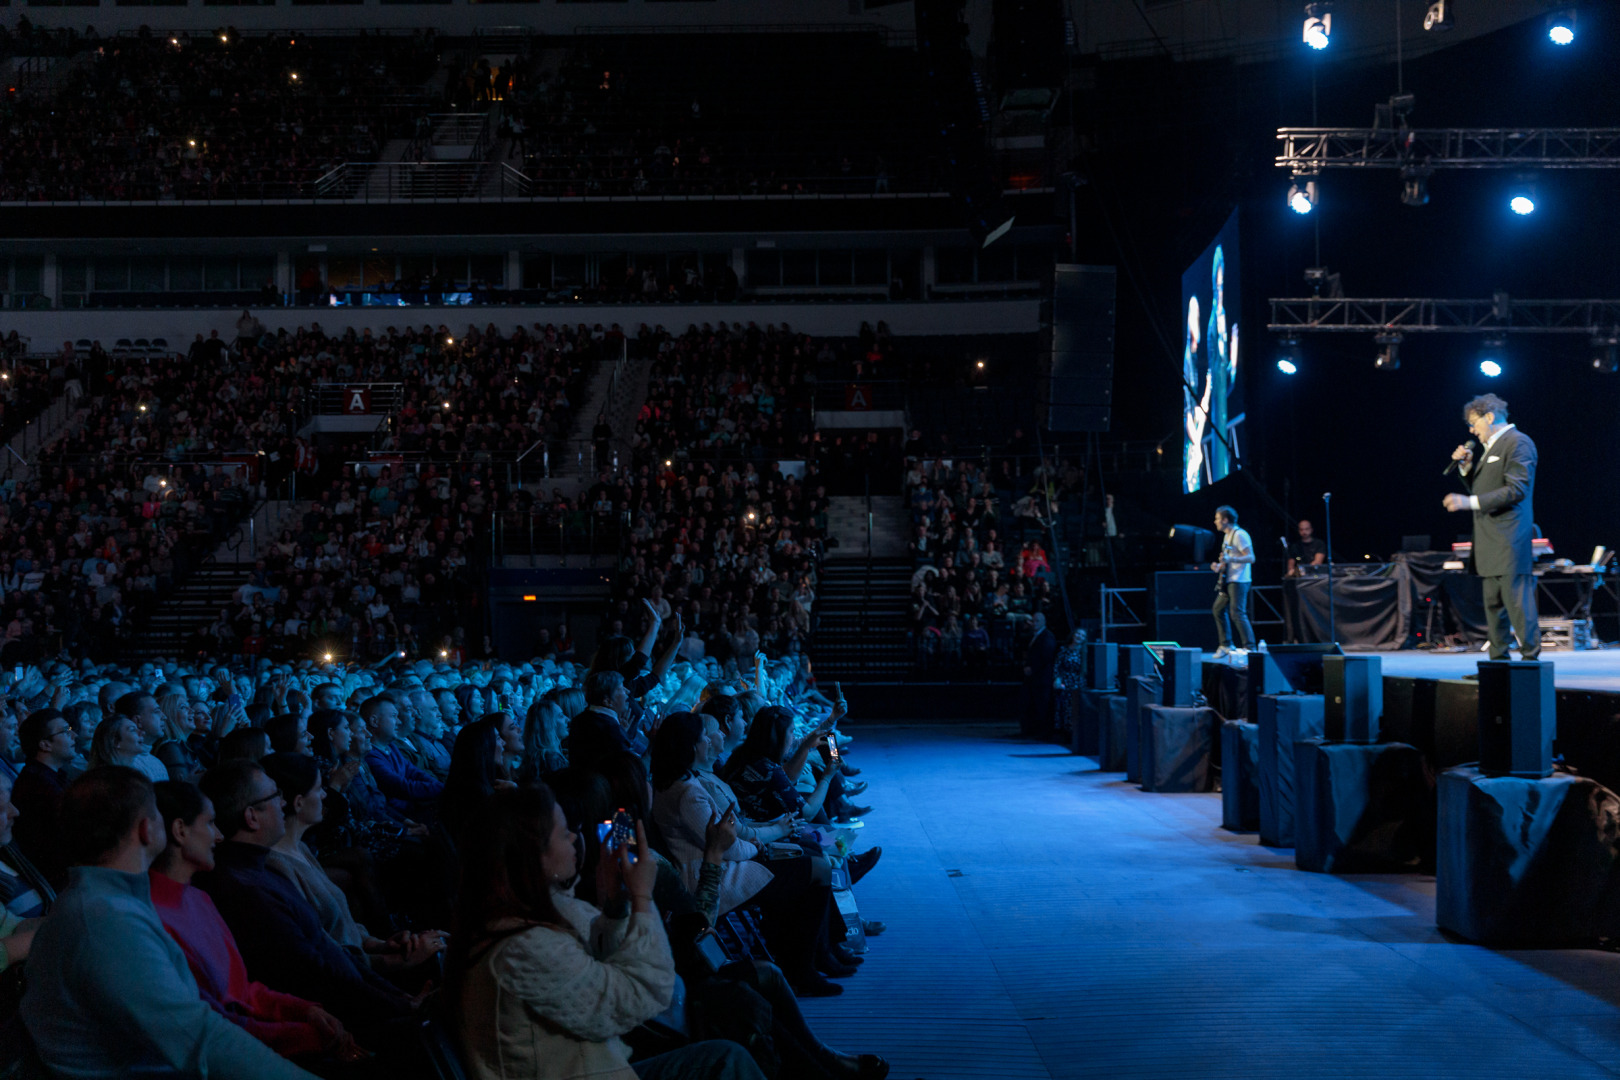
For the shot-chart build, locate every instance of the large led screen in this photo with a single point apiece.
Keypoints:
(1212, 398)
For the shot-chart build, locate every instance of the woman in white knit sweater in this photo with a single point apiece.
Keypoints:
(782, 880)
(545, 984)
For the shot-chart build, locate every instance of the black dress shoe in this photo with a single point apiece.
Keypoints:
(854, 789)
(815, 985)
(858, 865)
(857, 1066)
(841, 953)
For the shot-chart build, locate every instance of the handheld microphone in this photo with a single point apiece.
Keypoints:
(1455, 462)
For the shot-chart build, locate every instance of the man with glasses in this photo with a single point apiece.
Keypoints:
(48, 746)
(278, 932)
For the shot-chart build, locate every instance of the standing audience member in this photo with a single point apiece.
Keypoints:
(599, 730)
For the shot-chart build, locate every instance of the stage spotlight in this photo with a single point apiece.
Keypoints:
(1302, 195)
(1389, 352)
(1438, 16)
(1522, 204)
(1491, 356)
(1561, 27)
(1490, 368)
(1288, 354)
(1606, 353)
(1318, 25)
(1415, 185)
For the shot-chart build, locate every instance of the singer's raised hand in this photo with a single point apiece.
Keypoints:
(1463, 453)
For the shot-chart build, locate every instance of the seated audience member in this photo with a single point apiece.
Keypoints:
(243, 744)
(292, 859)
(733, 728)
(25, 893)
(543, 730)
(599, 730)
(47, 741)
(765, 786)
(177, 749)
(428, 733)
(409, 790)
(278, 931)
(288, 734)
(109, 992)
(117, 741)
(794, 893)
(477, 770)
(630, 788)
(289, 1025)
(545, 984)
(142, 708)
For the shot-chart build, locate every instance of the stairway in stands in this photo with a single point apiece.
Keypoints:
(861, 612)
(212, 586)
(619, 389)
(863, 597)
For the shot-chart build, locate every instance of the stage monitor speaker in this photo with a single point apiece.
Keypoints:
(1353, 689)
(1183, 672)
(1455, 735)
(1286, 669)
(1077, 368)
(1102, 665)
(1517, 721)
(1409, 712)
(1134, 661)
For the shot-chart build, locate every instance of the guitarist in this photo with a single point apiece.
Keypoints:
(1233, 575)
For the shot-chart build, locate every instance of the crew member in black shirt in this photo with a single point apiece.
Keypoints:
(1303, 552)
(1306, 551)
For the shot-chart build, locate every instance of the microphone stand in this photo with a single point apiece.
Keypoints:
(1327, 521)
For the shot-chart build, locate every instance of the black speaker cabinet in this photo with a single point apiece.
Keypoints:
(1516, 718)
(1455, 736)
(1353, 689)
(1409, 712)
(1102, 665)
(1134, 661)
(1183, 671)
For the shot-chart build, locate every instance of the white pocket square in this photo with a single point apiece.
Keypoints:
(1494, 457)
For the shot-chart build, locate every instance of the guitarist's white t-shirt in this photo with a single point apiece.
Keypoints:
(1237, 544)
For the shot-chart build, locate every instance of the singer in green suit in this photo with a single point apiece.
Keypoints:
(1501, 478)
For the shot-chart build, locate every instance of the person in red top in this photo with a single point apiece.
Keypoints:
(289, 1025)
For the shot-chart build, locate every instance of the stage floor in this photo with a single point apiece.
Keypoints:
(1594, 669)
(1046, 920)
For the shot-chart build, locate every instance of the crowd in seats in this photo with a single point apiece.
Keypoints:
(25, 390)
(982, 568)
(727, 513)
(542, 869)
(165, 457)
(216, 116)
(718, 115)
(391, 555)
